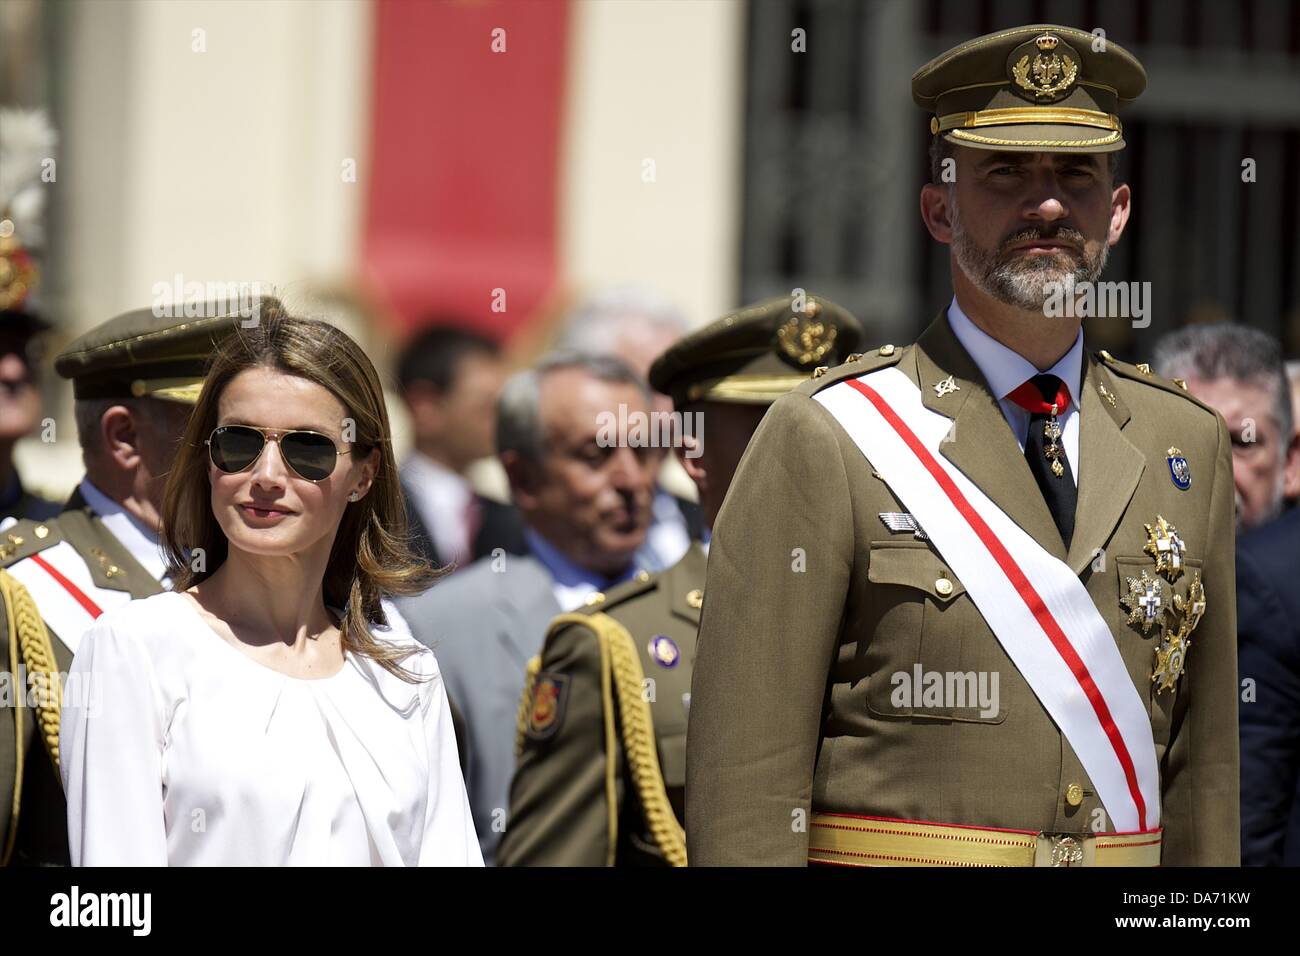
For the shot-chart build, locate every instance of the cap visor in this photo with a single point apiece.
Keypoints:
(1034, 138)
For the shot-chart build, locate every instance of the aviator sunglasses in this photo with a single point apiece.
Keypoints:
(235, 448)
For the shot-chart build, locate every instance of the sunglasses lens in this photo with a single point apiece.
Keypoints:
(234, 447)
(312, 456)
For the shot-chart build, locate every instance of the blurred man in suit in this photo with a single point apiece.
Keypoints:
(1238, 371)
(585, 503)
(1268, 621)
(635, 325)
(450, 379)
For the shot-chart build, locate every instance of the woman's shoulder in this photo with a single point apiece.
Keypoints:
(149, 623)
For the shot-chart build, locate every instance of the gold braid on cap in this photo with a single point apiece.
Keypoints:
(1039, 115)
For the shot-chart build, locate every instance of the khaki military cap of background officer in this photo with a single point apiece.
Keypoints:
(755, 355)
(601, 772)
(143, 353)
(1039, 88)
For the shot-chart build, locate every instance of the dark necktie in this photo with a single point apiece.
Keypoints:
(1045, 450)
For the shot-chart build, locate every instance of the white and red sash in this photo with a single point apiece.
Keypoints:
(68, 598)
(1035, 605)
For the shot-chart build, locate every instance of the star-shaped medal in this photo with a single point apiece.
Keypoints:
(1145, 601)
(1171, 658)
(1164, 544)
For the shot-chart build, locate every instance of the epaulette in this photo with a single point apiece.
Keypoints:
(599, 601)
(1142, 372)
(27, 537)
(859, 363)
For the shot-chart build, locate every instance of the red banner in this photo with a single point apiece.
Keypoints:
(464, 166)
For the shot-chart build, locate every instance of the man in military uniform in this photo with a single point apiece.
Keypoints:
(601, 769)
(135, 380)
(26, 143)
(1013, 640)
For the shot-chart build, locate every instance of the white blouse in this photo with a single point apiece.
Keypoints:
(178, 749)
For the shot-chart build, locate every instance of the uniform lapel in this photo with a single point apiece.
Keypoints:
(111, 565)
(1109, 465)
(980, 442)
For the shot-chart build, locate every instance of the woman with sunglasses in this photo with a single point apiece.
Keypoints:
(262, 713)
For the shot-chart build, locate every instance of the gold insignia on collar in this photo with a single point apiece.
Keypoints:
(948, 385)
(1145, 601)
(805, 340)
(110, 569)
(1106, 394)
(1165, 545)
(1144, 368)
(1047, 72)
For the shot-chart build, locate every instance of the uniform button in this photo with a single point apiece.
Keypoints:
(594, 598)
(695, 598)
(1074, 794)
(943, 586)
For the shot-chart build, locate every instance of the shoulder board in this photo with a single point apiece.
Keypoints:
(858, 364)
(1142, 372)
(27, 537)
(605, 600)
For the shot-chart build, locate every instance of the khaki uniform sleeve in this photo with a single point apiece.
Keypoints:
(567, 791)
(1201, 814)
(767, 639)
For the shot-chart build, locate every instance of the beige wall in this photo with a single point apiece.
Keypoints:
(660, 81)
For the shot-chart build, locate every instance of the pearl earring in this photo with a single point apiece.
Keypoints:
(353, 496)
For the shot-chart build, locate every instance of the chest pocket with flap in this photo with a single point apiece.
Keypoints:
(923, 626)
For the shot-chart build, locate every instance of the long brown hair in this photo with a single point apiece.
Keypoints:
(371, 557)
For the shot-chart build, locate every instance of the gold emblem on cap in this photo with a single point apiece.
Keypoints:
(805, 340)
(1048, 72)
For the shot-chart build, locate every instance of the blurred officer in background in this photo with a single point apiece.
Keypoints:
(26, 143)
(576, 800)
(1238, 371)
(585, 504)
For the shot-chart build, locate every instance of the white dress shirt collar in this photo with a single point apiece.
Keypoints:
(138, 539)
(1005, 369)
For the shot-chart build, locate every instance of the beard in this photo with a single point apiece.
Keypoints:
(1026, 280)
